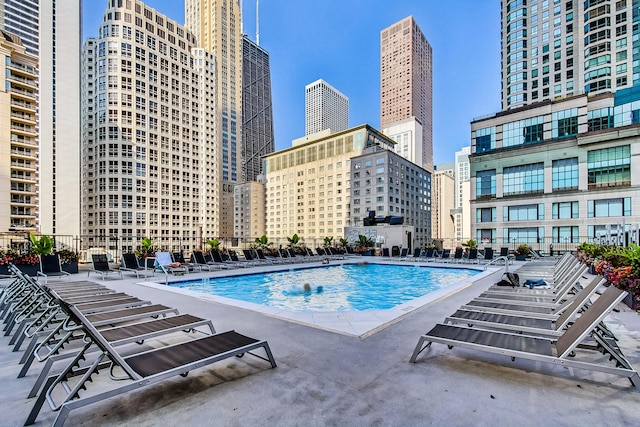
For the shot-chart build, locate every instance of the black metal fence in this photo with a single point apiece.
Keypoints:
(115, 245)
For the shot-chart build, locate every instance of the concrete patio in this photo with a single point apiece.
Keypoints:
(326, 378)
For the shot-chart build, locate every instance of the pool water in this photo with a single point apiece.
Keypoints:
(347, 287)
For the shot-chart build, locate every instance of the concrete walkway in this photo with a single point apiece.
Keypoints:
(330, 379)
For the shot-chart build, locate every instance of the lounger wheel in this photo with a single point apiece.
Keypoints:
(513, 359)
(450, 347)
(140, 342)
(239, 356)
(184, 374)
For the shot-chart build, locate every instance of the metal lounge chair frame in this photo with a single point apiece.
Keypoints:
(533, 324)
(163, 262)
(50, 266)
(140, 369)
(130, 264)
(457, 255)
(218, 261)
(472, 256)
(555, 295)
(101, 266)
(553, 350)
(197, 258)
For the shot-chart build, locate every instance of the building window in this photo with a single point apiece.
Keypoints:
(486, 235)
(485, 139)
(600, 119)
(564, 210)
(564, 123)
(524, 235)
(486, 215)
(567, 234)
(524, 179)
(609, 167)
(565, 174)
(627, 114)
(609, 207)
(524, 212)
(595, 231)
(486, 183)
(523, 132)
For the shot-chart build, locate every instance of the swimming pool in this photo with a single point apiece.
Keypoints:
(346, 287)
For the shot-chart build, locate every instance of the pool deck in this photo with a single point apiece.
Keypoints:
(329, 378)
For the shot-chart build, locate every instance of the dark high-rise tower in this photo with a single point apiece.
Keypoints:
(257, 113)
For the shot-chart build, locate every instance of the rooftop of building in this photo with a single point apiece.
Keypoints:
(327, 378)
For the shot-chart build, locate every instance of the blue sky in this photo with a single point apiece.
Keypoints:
(339, 41)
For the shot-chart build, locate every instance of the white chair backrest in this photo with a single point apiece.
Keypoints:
(163, 258)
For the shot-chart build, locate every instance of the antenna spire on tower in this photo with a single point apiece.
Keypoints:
(258, 22)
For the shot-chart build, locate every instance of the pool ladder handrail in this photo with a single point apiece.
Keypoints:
(505, 258)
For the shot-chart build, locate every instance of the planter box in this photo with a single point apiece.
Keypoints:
(70, 268)
(632, 300)
(29, 270)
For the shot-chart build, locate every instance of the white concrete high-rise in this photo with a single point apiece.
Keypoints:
(217, 25)
(59, 117)
(18, 135)
(406, 80)
(462, 212)
(51, 30)
(407, 134)
(442, 201)
(325, 108)
(148, 152)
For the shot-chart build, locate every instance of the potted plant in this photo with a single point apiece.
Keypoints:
(293, 240)
(263, 243)
(68, 260)
(470, 244)
(41, 246)
(522, 251)
(5, 258)
(364, 245)
(27, 262)
(621, 268)
(214, 244)
(145, 250)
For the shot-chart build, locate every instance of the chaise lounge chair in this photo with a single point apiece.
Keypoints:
(197, 258)
(50, 267)
(101, 266)
(549, 324)
(167, 265)
(130, 264)
(553, 350)
(62, 392)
